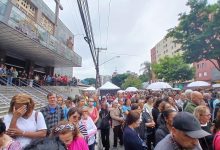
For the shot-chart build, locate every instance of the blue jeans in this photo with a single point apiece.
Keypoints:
(9, 80)
(92, 146)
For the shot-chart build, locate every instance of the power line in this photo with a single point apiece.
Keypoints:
(73, 20)
(99, 25)
(78, 16)
(123, 54)
(109, 11)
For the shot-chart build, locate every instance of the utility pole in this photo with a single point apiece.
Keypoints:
(85, 16)
(98, 79)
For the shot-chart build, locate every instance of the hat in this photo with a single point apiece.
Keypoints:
(189, 124)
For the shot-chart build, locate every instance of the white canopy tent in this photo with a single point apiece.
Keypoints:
(131, 89)
(91, 88)
(120, 91)
(176, 89)
(109, 86)
(196, 84)
(159, 85)
(216, 85)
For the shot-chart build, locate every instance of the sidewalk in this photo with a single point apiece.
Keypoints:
(99, 142)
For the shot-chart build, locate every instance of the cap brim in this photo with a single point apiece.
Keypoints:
(197, 134)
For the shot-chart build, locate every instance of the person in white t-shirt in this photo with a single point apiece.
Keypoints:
(22, 122)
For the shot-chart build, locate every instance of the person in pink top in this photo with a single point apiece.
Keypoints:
(68, 134)
(216, 131)
(93, 112)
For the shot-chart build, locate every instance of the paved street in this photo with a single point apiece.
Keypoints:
(99, 145)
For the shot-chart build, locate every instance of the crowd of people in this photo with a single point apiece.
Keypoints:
(21, 78)
(145, 120)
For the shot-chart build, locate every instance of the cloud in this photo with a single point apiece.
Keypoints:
(135, 27)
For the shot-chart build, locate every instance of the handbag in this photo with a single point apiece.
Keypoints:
(98, 123)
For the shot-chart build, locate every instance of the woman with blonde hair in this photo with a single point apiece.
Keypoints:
(202, 113)
(23, 122)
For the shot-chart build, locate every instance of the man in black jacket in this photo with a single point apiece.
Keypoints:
(105, 125)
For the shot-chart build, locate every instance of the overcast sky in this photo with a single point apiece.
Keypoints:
(134, 28)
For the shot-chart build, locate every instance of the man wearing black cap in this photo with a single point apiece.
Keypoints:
(184, 135)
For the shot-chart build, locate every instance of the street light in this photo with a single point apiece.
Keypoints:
(109, 60)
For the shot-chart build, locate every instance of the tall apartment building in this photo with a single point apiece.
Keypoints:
(166, 47)
(205, 70)
(32, 40)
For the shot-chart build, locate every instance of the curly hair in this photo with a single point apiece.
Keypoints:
(199, 111)
(22, 99)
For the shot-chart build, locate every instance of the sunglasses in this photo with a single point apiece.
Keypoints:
(62, 127)
(76, 117)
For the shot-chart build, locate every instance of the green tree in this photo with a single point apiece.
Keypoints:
(173, 69)
(89, 81)
(199, 32)
(119, 79)
(147, 73)
(133, 81)
(144, 78)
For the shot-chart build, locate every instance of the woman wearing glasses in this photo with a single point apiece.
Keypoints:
(91, 128)
(202, 113)
(68, 134)
(74, 116)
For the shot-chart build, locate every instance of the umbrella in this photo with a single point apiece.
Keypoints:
(91, 88)
(156, 90)
(198, 84)
(120, 91)
(159, 85)
(216, 85)
(176, 89)
(131, 89)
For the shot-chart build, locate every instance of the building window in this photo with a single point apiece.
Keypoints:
(200, 74)
(205, 74)
(197, 66)
(203, 65)
(26, 7)
(47, 24)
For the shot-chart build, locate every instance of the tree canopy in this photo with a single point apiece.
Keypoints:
(89, 81)
(173, 69)
(147, 73)
(199, 32)
(119, 79)
(132, 81)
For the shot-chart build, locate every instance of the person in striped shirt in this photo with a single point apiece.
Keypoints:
(74, 116)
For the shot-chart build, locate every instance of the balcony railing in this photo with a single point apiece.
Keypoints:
(21, 22)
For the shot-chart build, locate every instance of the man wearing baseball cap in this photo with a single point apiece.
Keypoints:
(184, 135)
